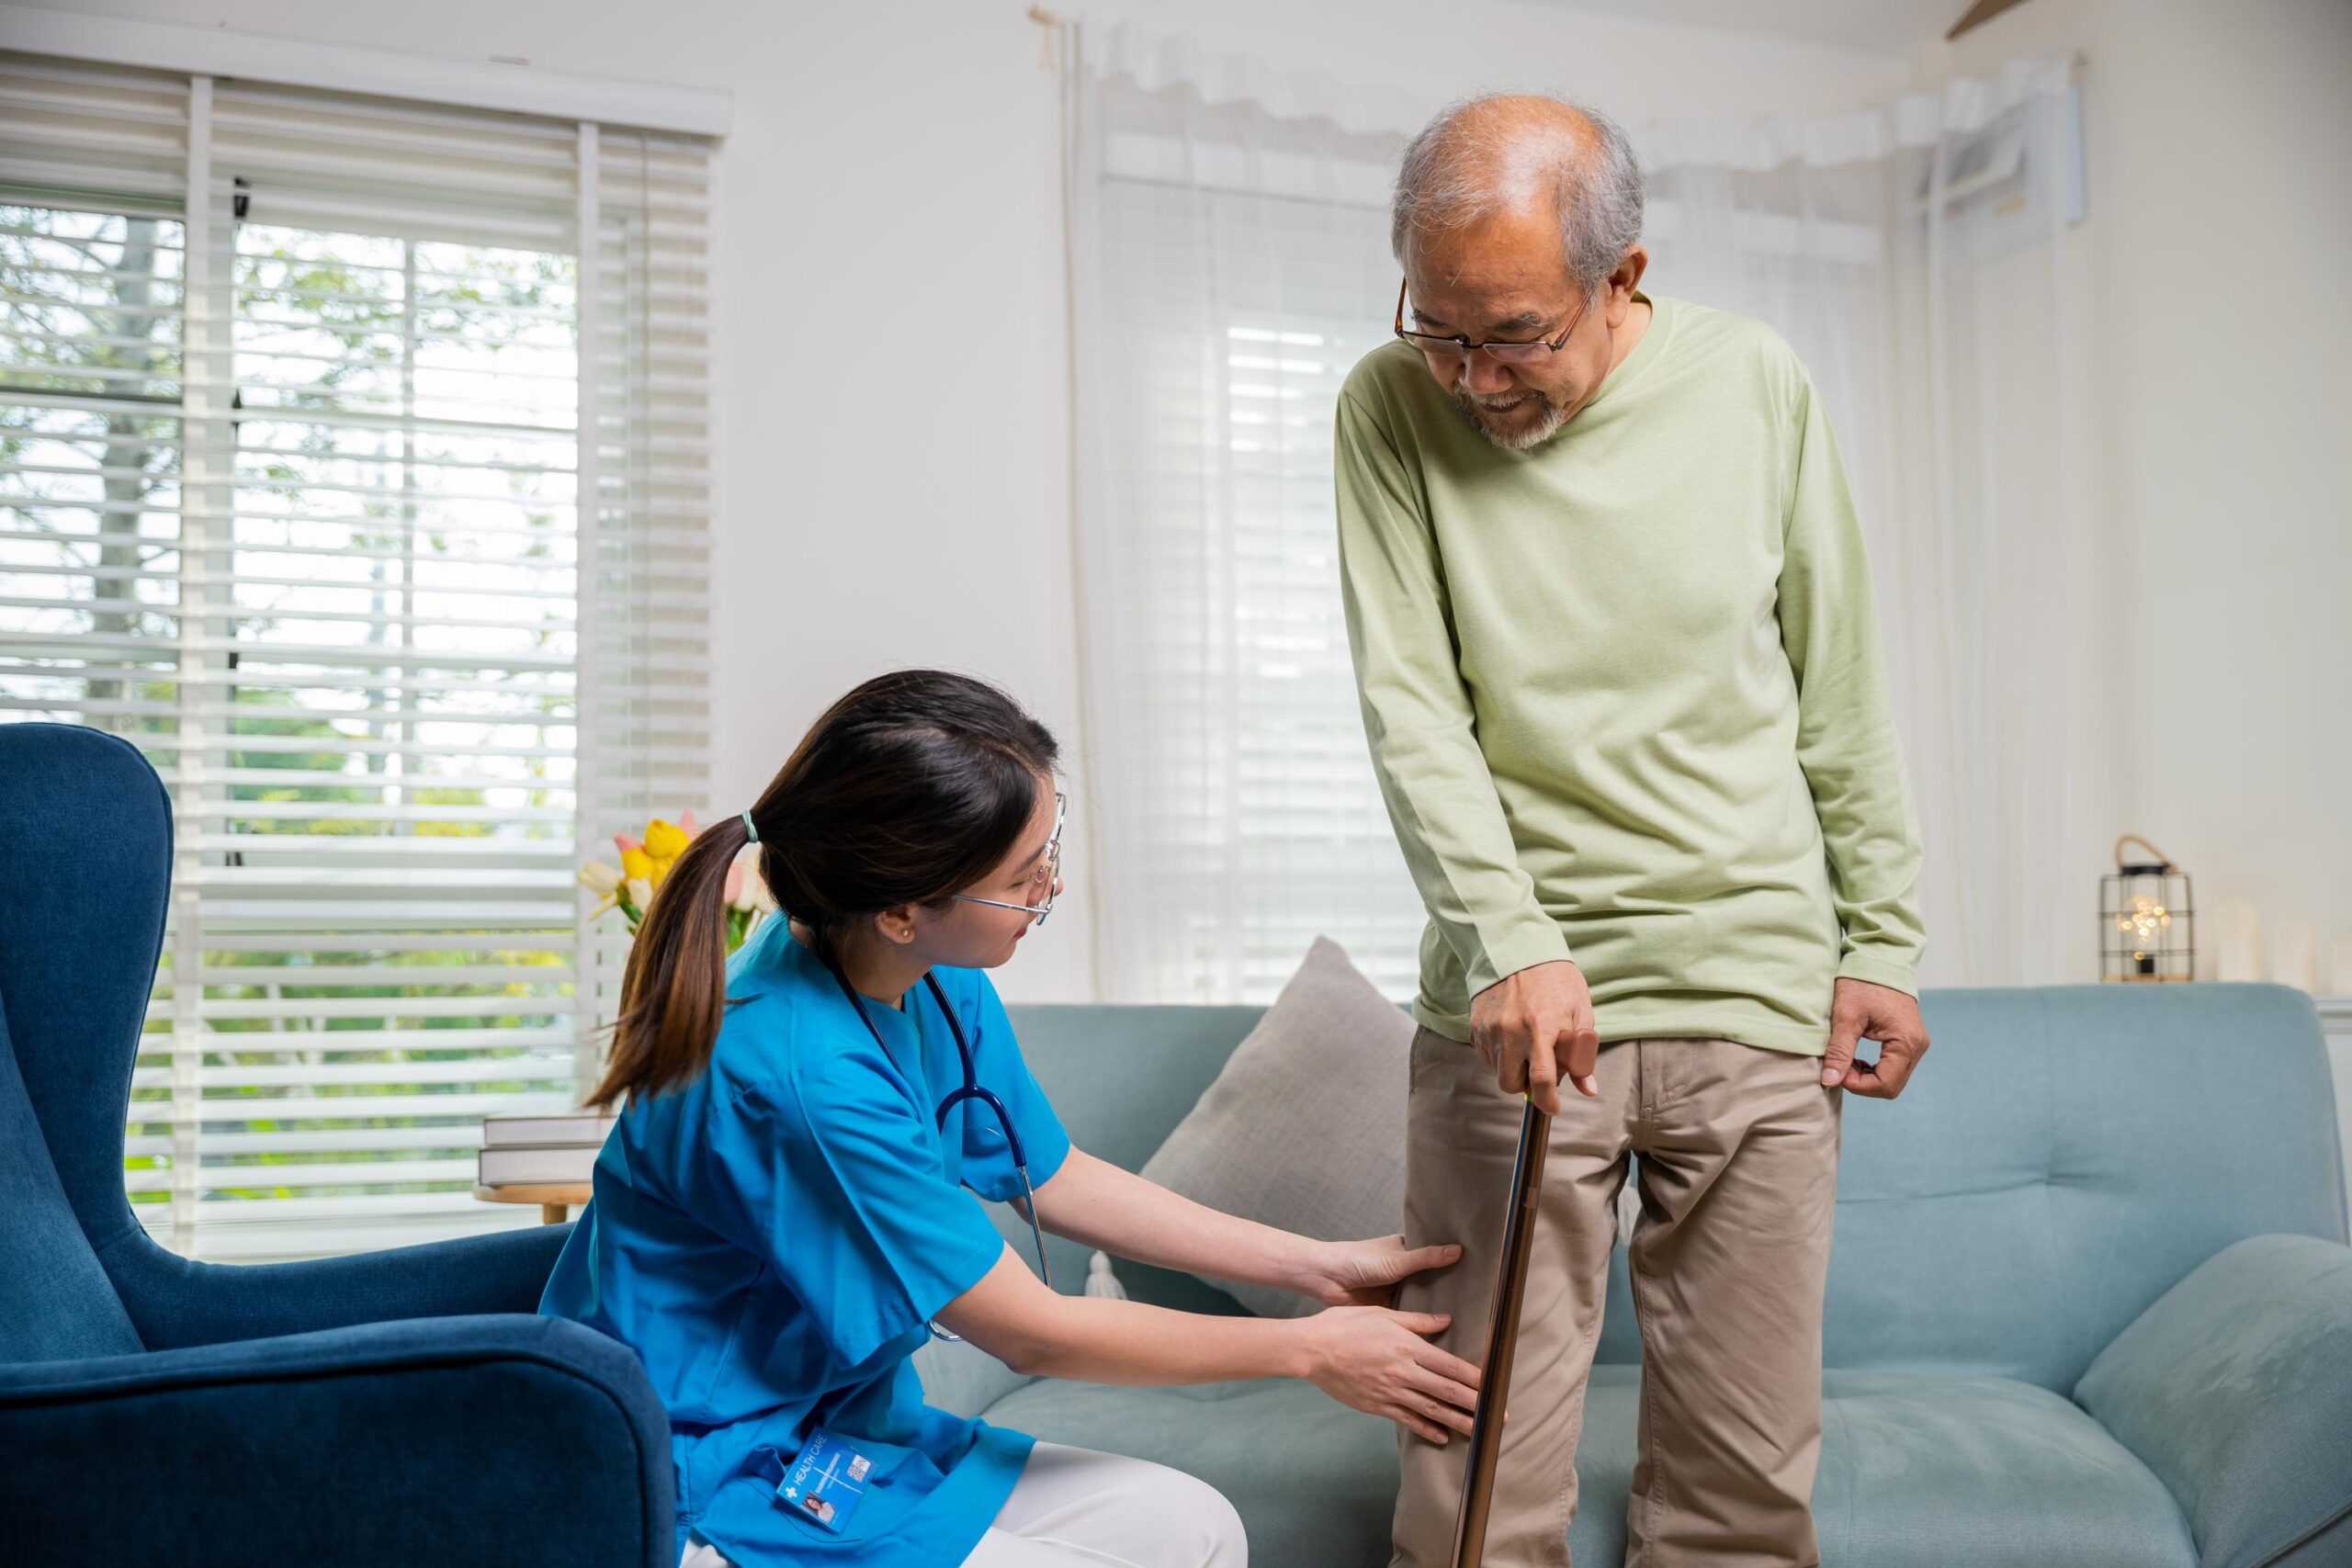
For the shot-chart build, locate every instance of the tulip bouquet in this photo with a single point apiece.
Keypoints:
(646, 862)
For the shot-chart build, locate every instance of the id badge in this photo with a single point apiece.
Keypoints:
(826, 1483)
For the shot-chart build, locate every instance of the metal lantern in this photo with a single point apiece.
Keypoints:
(2147, 924)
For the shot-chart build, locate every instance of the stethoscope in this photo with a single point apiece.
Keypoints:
(971, 1090)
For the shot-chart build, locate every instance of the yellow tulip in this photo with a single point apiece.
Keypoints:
(665, 840)
(636, 864)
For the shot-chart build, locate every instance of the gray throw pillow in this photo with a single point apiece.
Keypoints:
(1304, 1128)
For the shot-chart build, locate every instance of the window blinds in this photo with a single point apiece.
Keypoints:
(352, 465)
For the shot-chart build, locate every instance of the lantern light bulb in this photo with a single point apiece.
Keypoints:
(2145, 920)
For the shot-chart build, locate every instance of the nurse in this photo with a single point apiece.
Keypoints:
(787, 1210)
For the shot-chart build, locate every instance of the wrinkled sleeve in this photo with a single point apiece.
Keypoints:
(998, 1064)
(1846, 741)
(829, 1176)
(1418, 718)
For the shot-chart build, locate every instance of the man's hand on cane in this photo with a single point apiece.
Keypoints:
(1859, 1010)
(1535, 1029)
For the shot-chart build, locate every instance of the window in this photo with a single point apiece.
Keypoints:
(352, 466)
(1232, 268)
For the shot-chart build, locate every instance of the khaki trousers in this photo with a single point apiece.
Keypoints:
(1738, 1175)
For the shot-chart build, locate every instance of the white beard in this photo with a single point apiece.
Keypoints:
(1534, 435)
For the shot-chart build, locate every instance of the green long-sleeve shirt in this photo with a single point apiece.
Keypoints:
(1624, 691)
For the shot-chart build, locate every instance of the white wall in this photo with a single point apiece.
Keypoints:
(2216, 270)
(892, 441)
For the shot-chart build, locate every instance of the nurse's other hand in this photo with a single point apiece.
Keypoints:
(1364, 1273)
(1379, 1361)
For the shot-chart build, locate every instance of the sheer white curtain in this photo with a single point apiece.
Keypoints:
(1230, 262)
(1229, 265)
(1913, 256)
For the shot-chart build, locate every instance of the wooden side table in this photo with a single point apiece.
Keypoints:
(556, 1199)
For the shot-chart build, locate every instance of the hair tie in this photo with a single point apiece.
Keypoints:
(750, 827)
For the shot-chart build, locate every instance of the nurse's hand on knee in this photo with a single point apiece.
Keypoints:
(1365, 1273)
(1381, 1362)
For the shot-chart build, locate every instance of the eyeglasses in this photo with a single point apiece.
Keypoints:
(1455, 346)
(1044, 882)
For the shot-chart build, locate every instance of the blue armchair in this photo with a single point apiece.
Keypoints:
(404, 1406)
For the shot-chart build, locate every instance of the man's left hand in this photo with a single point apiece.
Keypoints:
(1860, 1010)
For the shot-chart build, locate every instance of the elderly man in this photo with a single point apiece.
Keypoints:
(1621, 674)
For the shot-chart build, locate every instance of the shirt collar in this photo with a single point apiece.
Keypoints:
(775, 960)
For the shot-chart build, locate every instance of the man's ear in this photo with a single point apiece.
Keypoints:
(1624, 281)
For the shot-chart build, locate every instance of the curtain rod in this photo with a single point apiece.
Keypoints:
(353, 68)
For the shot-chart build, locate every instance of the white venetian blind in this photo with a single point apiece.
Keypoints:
(351, 465)
(1231, 266)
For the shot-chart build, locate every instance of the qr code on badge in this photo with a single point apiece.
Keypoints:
(858, 1465)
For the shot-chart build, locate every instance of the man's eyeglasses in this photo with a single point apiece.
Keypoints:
(1455, 346)
(1044, 882)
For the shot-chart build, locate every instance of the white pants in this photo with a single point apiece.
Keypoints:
(1076, 1509)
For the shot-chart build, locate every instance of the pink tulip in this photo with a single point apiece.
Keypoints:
(686, 824)
(625, 843)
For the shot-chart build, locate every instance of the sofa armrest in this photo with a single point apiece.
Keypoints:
(497, 1439)
(2235, 1388)
(178, 1301)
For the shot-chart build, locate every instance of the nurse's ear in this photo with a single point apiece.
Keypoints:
(897, 924)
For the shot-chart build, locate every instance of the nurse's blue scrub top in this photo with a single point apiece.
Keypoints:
(771, 1239)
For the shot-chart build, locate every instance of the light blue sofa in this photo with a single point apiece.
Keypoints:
(2090, 1302)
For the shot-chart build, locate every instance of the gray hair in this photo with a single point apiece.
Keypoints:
(1473, 160)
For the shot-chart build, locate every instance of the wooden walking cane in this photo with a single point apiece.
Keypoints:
(1502, 1337)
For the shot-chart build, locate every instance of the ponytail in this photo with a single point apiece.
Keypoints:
(673, 993)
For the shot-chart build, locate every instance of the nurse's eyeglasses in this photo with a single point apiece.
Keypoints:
(1044, 882)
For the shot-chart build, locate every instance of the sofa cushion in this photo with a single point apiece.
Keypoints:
(1919, 1470)
(1303, 1129)
(2235, 1388)
(2063, 1157)
(1926, 1470)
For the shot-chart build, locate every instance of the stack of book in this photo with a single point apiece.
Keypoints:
(542, 1151)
